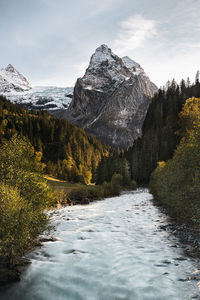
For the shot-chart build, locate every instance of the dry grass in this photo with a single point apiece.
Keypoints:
(62, 184)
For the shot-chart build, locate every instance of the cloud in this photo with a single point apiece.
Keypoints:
(134, 31)
(195, 45)
(98, 8)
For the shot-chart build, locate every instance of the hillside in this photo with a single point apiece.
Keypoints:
(67, 151)
(159, 133)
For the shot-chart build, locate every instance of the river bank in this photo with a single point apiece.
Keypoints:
(68, 193)
(112, 249)
(187, 232)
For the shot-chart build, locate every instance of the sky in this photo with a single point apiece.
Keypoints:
(51, 41)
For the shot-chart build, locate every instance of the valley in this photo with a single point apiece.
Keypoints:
(62, 149)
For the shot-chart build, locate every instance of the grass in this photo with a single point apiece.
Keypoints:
(68, 193)
(59, 184)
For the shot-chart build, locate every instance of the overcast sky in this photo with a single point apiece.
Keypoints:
(51, 41)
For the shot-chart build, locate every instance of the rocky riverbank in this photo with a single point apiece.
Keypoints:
(188, 235)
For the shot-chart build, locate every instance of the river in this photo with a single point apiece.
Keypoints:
(109, 250)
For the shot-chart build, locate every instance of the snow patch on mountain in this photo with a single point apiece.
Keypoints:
(133, 66)
(41, 97)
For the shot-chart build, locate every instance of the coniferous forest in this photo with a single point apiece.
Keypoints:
(160, 135)
(67, 151)
(175, 182)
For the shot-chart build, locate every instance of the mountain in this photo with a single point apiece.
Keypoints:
(111, 100)
(11, 80)
(15, 87)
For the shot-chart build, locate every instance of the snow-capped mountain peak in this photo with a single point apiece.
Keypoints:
(105, 70)
(102, 54)
(111, 100)
(10, 68)
(11, 80)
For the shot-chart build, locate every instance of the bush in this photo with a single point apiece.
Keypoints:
(79, 196)
(87, 194)
(107, 189)
(14, 231)
(20, 222)
(133, 185)
(116, 184)
(61, 197)
(94, 193)
(112, 188)
(24, 195)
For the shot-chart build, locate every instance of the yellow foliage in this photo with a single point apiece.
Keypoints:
(176, 182)
(24, 194)
(189, 117)
(161, 164)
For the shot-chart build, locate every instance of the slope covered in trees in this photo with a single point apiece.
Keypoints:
(67, 151)
(159, 134)
(175, 183)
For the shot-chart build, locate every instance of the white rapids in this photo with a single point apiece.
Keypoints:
(112, 249)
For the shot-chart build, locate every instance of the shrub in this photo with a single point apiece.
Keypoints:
(79, 196)
(116, 184)
(23, 196)
(19, 220)
(94, 193)
(133, 185)
(61, 197)
(107, 189)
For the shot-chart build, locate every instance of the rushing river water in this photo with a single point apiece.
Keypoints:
(109, 250)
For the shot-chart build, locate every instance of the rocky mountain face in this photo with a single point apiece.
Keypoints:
(111, 100)
(15, 87)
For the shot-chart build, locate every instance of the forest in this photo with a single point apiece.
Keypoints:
(160, 129)
(175, 183)
(67, 151)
